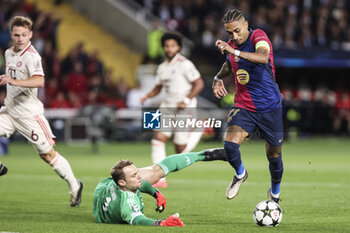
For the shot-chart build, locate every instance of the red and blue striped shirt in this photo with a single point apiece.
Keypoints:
(256, 88)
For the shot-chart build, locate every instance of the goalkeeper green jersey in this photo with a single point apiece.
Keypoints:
(113, 205)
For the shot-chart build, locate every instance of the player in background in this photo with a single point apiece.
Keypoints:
(182, 83)
(258, 101)
(23, 111)
(3, 169)
(117, 199)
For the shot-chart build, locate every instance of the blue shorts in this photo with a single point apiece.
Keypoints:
(268, 124)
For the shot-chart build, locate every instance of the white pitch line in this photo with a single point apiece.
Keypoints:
(184, 181)
(253, 183)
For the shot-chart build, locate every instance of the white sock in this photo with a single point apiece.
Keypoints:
(63, 169)
(192, 141)
(275, 195)
(241, 176)
(158, 152)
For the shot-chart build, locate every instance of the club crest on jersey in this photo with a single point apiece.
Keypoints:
(19, 64)
(236, 59)
(242, 76)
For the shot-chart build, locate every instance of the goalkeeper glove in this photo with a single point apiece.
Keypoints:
(161, 201)
(171, 221)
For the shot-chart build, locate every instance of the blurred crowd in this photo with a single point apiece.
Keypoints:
(78, 79)
(309, 108)
(289, 23)
(319, 110)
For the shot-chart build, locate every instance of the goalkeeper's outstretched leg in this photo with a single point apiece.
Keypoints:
(173, 163)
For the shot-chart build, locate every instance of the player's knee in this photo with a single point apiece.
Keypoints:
(48, 156)
(45, 157)
(273, 152)
(236, 134)
(273, 155)
(179, 148)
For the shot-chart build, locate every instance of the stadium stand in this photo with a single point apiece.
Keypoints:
(290, 24)
(79, 72)
(307, 36)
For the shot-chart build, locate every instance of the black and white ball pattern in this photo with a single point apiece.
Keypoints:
(267, 213)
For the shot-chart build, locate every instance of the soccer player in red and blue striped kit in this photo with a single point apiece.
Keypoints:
(258, 101)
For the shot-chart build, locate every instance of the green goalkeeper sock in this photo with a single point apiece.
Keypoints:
(147, 188)
(177, 162)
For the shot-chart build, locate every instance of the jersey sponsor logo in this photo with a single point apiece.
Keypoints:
(152, 119)
(131, 202)
(19, 64)
(135, 208)
(12, 72)
(242, 76)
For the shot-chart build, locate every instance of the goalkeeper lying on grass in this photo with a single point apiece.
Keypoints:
(118, 199)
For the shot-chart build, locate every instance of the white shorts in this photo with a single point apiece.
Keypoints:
(36, 129)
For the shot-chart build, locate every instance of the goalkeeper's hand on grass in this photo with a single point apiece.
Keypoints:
(171, 221)
(161, 201)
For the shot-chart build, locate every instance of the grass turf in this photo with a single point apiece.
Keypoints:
(315, 189)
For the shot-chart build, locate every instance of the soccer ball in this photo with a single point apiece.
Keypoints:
(267, 214)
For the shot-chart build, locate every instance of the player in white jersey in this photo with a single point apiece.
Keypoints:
(182, 83)
(23, 112)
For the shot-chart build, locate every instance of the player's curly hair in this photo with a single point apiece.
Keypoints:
(233, 15)
(117, 172)
(171, 36)
(21, 21)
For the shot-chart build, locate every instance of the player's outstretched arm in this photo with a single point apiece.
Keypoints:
(155, 91)
(159, 198)
(32, 82)
(171, 221)
(261, 55)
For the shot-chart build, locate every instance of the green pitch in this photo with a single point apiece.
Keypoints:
(315, 189)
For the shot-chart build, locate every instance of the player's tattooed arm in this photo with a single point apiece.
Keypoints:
(224, 71)
(260, 56)
(218, 86)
